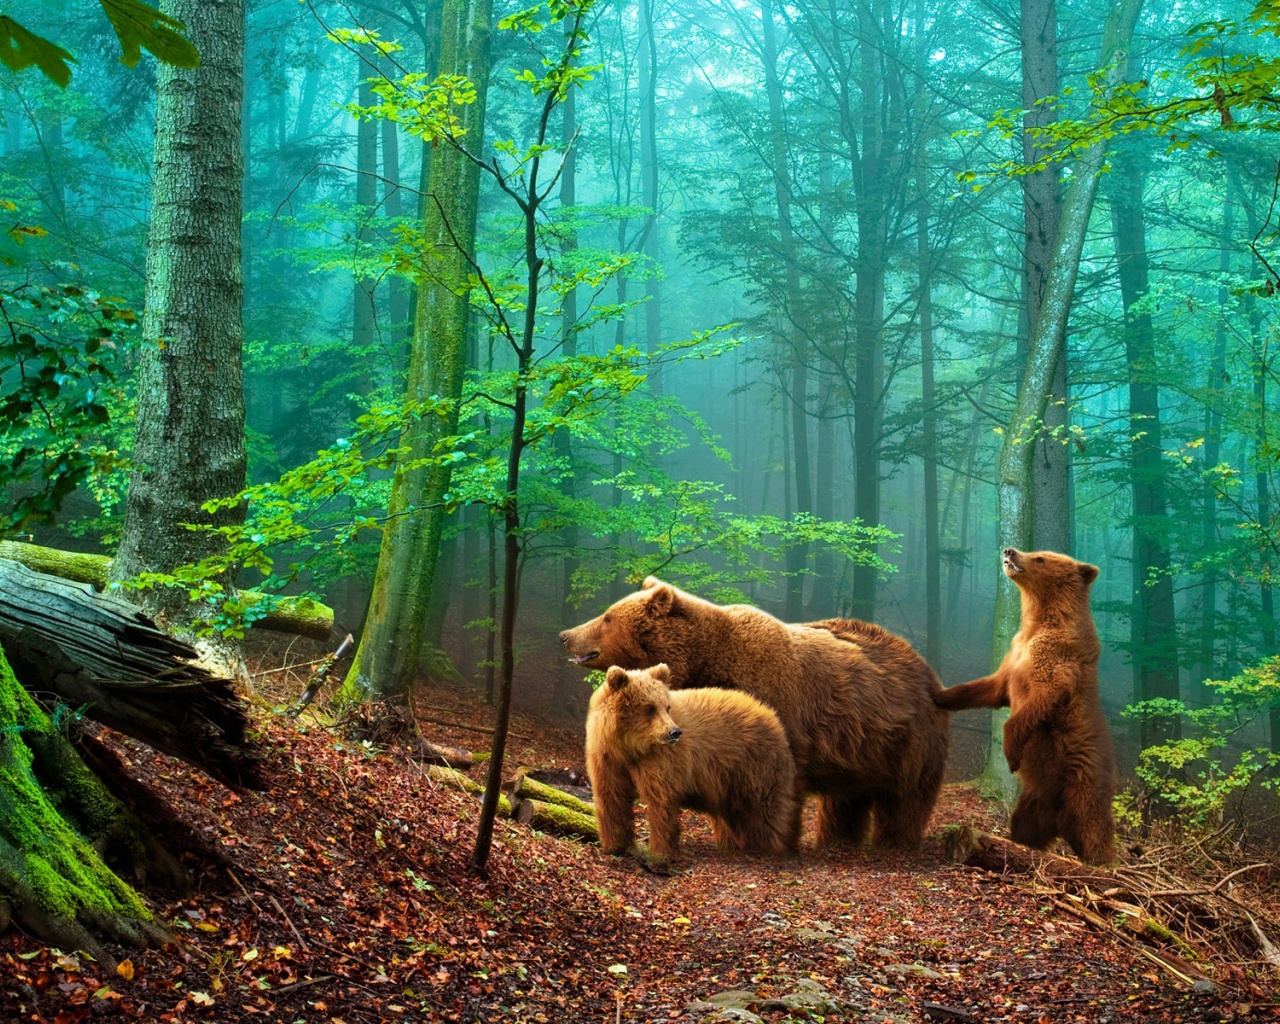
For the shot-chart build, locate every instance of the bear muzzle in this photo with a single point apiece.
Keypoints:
(566, 640)
(1012, 559)
(674, 733)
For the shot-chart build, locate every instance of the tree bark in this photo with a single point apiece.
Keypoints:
(403, 581)
(1152, 625)
(189, 445)
(362, 301)
(650, 243)
(1014, 482)
(1041, 208)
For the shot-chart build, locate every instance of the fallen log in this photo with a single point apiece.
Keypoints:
(557, 820)
(300, 615)
(98, 653)
(452, 777)
(522, 786)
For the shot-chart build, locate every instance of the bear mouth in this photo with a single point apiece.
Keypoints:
(1011, 567)
(582, 659)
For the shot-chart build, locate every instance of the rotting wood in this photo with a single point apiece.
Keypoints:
(1145, 905)
(97, 652)
(300, 615)
(523, 786)
(451, 777)
(320, 676)
(557, 820)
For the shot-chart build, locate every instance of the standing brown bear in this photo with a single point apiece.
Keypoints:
(714, 751)
(856, 701)
(1056, 737)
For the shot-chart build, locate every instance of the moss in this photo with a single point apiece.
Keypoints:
(558, 820)
(536, 790)
(42, 857)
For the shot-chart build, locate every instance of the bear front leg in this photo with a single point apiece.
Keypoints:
(987, 692)
(613, 794)
(664, 829)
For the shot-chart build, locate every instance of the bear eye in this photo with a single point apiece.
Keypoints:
(651, 711)
(608, 619)
(1039, 558)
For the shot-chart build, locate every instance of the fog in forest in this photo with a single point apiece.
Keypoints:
(791, 259)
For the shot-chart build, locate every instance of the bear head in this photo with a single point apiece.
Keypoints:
(635, 706)
(634, 632)
(1046, 572)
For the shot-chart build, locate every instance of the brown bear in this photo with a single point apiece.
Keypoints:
(855, 700)
(714, 751)
(1056, 737)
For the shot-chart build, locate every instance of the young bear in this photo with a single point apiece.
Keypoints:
(856, 701)
(714, 751)
(1056, 737)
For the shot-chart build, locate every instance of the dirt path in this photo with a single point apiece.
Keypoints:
(341, 895)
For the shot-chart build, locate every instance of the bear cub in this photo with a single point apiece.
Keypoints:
(1056, 737)
(716, 751)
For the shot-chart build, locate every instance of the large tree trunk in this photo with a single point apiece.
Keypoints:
(1153, 625)
(402, 585)
(189, 445)
(1041, 208)
(1014, 482)
(57, 816)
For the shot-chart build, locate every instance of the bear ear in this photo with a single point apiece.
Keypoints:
(650, 582)
(616, 678)
(661, 673)
(662, 598)
(1088, 572)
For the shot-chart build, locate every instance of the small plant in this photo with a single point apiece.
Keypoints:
(1199, 774)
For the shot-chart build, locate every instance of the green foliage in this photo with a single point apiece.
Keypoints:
(137, 26)
(1198, 774)
(58, 354)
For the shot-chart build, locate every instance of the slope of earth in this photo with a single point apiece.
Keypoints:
(342, 895)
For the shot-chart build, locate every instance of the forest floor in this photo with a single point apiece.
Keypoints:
(342, 895)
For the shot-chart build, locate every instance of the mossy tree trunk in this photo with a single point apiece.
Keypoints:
(57, 823)
(1014, 480)
(392, 640)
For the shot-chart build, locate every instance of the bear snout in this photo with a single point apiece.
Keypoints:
(674, 733)
(564, 638)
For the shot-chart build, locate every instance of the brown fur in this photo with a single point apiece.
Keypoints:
(855, 700)
(1056, 737)
(714, 751)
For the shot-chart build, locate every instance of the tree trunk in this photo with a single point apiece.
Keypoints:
(1153, 627)
(649, 241)
(402, 585)
(1014, 484)
(1205, 666)
(53, 882)
(189, 446)
(794, 344)
(362, 304)
(1041, 208)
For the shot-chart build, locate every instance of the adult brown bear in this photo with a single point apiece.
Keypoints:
(856, 702)
(1056, 737)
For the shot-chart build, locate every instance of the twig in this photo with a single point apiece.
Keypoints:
(246, 892)
(472, 728)
(320, 676)
(296, 934)
(286, 668)
(303, 984)
(1239, 871)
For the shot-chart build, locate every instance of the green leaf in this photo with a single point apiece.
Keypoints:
(21, 49)
(142, 27)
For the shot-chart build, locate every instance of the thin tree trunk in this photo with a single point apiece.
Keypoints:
(1205, 668)
(929, 449)
(1153, 625)
(405, 577)
(362, 309)
(649, 241)
(1014, 472)
(189, 445)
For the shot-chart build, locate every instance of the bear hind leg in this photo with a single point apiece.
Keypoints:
(1087, 823)
(1034, 822)
(901, 821)
(843, 819)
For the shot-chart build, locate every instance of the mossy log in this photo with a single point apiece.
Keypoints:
(299, 615)
(453, 777)
(523, 787)
(558, 820)
(97, 652)
(57, 820)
